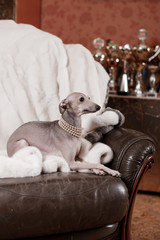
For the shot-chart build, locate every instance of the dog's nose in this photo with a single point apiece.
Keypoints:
(98, 108)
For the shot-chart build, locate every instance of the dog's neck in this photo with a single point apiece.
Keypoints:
(75, 131)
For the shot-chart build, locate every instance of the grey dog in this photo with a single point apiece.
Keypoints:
(60, 138)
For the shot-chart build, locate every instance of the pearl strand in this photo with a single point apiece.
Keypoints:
(75, 131)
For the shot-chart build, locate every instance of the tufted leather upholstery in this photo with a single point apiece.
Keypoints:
(129, 152)
(75, 205)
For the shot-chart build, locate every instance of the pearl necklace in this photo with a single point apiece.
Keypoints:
(75, 131)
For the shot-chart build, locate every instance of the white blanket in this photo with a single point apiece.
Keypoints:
(37, 71)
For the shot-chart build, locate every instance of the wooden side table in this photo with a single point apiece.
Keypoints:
(142, 114)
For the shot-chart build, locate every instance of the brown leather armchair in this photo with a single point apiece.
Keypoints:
(63, 206)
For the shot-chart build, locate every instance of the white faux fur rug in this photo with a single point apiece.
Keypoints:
(26, 162)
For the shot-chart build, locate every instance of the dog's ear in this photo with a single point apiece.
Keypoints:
(63, 106)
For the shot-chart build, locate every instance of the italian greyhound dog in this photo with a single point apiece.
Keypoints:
(60, 138)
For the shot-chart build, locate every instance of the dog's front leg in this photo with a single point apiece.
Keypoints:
(77, 165)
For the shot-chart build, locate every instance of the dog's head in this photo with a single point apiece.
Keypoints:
(78, 104)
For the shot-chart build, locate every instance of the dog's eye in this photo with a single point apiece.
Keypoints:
(81, 99)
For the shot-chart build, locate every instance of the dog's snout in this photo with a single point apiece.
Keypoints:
(98, 108)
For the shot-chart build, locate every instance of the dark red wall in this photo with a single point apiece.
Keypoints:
(80, 21)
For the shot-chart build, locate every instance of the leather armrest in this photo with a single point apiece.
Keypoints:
(131, 148)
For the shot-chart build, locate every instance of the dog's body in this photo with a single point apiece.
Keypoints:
(54, 140)
(42, 135)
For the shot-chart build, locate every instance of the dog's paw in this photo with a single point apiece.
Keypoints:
(114, 173)
(98, 171)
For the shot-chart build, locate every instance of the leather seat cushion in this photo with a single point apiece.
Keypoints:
(59, 203)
